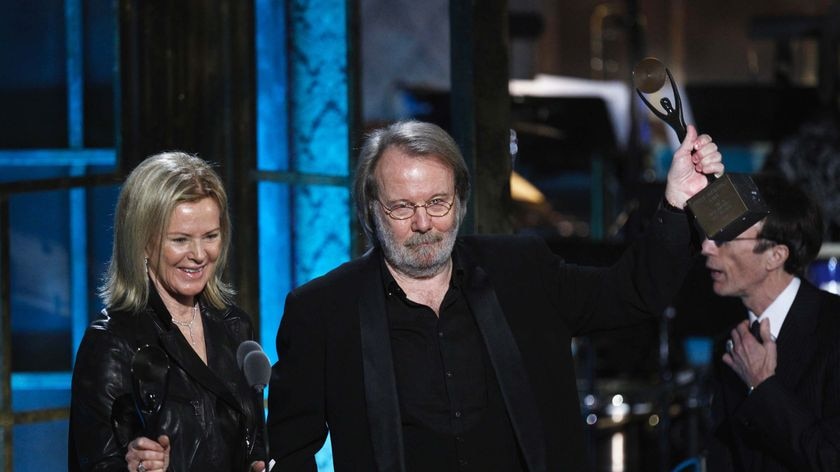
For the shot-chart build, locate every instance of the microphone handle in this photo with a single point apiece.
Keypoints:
(259, 389)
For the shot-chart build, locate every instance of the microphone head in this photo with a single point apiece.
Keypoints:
(257, 369)
(245, 348)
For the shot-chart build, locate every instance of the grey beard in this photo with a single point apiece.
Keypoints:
(409, 259)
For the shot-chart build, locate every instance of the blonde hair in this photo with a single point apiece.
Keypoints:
(147, 199)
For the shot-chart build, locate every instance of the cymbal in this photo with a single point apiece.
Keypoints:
(649, 75)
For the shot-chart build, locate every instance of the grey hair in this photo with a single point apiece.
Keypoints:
(146, 202)
(417, 139)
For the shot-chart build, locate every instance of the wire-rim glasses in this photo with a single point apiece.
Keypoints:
(436, 207)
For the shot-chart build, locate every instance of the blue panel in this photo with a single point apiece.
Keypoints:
(40, 446)
(100, 43)
(33, 391)
(106, 158)
(40, 281)
(275, 260)
(272, 124)
(322, 239)
(78, 249)
(698, 351)
(32, 56)
(75, 86)
(324, 457)
(316, 135)
(31, 164)
(273, 155)
(319, 93)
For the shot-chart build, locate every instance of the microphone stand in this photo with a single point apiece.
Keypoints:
(666, 376)
(259, 389)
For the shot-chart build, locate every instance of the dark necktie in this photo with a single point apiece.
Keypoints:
(755, 329)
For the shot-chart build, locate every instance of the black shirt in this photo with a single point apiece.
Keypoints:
(453, 415)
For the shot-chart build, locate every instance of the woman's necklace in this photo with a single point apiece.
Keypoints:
(188, 324)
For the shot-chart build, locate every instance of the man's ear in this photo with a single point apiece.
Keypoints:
(778, 255)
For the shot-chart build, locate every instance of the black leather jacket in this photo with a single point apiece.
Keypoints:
(213, 418)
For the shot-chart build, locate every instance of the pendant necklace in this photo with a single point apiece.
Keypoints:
(188, 324)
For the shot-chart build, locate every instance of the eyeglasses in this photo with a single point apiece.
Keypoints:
(403, 211)
(723, 243)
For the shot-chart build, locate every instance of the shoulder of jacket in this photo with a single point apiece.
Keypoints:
(503, 246)
(110, 330)
(115, 322)
(493, 240)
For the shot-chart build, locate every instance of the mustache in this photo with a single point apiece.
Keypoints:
(424, 238)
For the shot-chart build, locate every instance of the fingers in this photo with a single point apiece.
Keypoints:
(258, 466)
(707, 158)
(736, 346)
(765, 330)
(751, 360)
(727, 359)
(148, 466)
(769, 344)
(704, 147)
(153, 455)
(690, 138)
(687, 145)
(145, 444)
(734, 356)
(739, 331)
(164, 442)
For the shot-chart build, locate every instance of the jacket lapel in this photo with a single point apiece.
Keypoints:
(180, 352)
(509, 367)
(378, 368)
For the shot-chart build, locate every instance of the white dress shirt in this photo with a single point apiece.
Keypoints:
(778, 310)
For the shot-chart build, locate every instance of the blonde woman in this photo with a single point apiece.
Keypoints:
(164, 288)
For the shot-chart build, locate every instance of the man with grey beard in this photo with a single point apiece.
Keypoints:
(434, 352)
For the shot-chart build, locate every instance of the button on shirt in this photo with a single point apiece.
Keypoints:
(452, 412)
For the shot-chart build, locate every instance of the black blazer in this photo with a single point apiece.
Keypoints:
(335, 372)
(791, 422)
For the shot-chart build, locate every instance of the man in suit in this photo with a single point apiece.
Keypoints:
(777, 398)
(434, 352)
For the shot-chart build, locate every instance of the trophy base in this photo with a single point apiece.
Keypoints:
(727, 207)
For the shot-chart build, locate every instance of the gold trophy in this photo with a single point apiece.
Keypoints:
(729, 204)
